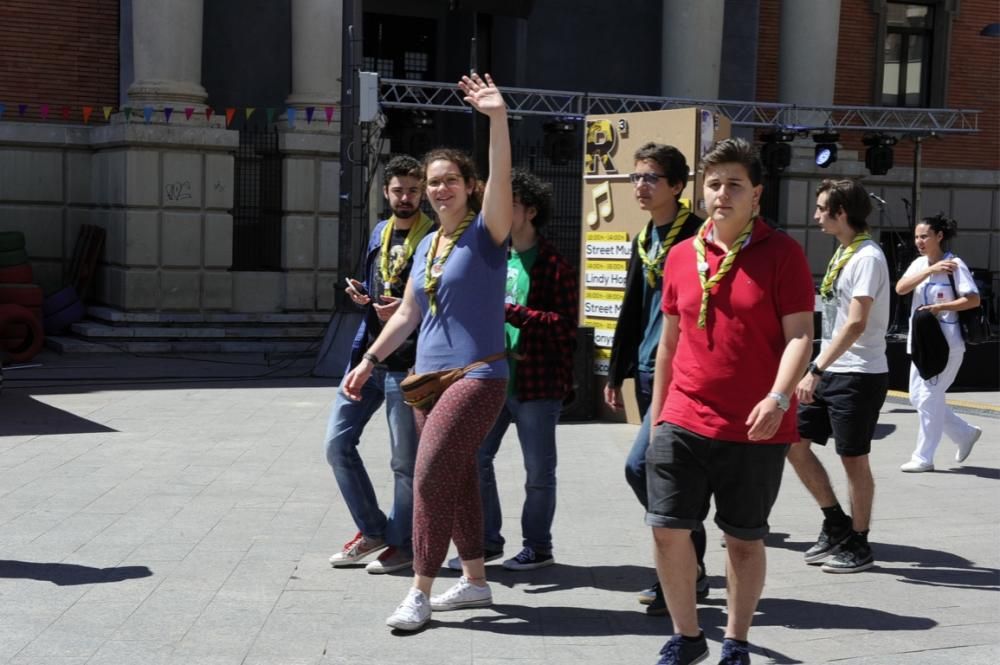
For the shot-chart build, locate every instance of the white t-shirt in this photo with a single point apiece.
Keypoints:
(865, 275)
(937, 288)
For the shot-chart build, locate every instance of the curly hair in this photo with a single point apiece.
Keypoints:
(947, 227)
(466, 167)
(401, 166)
(533, 193)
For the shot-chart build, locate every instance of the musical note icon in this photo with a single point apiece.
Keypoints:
(603, 207)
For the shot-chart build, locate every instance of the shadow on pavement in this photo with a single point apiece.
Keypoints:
(69, 574)
(24, 415)
(980, 471)
(562, 577)
(882, 431)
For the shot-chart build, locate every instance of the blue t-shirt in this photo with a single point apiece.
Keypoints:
(652, 316)
(469, 324)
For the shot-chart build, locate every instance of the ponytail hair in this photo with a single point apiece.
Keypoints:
(947, 227)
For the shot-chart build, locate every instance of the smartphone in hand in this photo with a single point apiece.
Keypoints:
(358, 287)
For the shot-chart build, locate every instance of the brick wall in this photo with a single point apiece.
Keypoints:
(60, 53)
(973, 78)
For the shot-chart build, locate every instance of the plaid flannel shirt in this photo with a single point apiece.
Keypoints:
(548, 323)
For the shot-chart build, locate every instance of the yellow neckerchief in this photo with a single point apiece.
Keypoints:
(727, 262)
(430, 279)
(837, 263)
(653, 267)
(389, 274)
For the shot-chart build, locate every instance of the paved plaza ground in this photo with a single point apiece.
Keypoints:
(164, 511)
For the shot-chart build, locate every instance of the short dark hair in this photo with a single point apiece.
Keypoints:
(735, 151)
(849, 196)
(668, 158)
(466, 166)
(948, 228)
(533, 193)
(401, 166)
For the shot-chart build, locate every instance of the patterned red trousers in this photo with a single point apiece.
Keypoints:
(446, 503)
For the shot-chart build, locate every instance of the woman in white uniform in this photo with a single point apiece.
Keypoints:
(942, 284)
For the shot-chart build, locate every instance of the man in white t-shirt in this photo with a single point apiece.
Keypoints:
(845, 386)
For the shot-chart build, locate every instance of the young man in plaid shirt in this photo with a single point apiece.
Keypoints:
(541, 313)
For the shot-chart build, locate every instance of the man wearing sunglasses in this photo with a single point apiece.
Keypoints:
(660, 175)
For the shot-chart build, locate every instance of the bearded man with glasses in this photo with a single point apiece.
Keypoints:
(660, 175)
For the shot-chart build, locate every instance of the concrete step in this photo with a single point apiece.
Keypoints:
(112, 316)
(64, 344)
(98, 330)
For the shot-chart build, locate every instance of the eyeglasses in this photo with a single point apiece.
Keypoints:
(648, 178)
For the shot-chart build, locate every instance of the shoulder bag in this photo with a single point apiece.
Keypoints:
(973, 322)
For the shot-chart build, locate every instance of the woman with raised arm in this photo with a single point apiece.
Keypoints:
(456, 295)
(942, 285)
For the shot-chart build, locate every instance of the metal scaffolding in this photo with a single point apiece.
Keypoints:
(436, 96)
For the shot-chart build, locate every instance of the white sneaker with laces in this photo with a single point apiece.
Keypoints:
(965, 448)
(463, 594)
(412, 614)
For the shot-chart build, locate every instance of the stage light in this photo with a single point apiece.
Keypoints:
(776, 152)
(826, 148)
(561, 144)
(878, 155)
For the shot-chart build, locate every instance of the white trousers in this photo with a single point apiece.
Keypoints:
(936, 417)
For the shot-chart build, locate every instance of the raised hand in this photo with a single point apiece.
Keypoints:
(483, 95)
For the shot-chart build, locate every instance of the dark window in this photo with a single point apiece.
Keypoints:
(257, 201)
(907, 53)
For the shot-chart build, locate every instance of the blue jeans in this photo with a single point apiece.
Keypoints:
(536, 430)
(635, 463)
(343, 434)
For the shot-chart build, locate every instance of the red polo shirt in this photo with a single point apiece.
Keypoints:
(722, 371)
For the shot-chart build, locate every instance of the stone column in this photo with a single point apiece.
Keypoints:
(692, 48)
(166, 47)
(316, 52)
(808, 52)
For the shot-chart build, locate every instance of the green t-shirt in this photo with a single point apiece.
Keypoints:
(518, 283)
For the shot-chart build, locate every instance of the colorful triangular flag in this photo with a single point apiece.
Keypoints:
(147, 113)
(87, 110)
(167, 112)
(188, 112)
(230, 112)
(22, 109)
(127, 110)
(290, 113)
(248, 111)
(270, 114)
(64, 112)
(43, 111)
(328, 110)
(208, 113)
(309, 114)
(2, 109)
(107, 112)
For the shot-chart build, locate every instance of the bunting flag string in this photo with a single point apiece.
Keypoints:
(290, 113)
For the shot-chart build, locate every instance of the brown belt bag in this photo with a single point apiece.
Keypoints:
(421, 391)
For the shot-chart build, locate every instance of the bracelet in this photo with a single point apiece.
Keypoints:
(371, 357)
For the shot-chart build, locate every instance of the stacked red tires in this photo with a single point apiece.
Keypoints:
(21, 334)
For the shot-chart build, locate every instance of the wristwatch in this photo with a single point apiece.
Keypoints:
(781, 399)
(371, 357)
(811, 368)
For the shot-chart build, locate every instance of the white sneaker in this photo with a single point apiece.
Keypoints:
(913, 466)
(463, 594)
(412, 614)
(965, 448)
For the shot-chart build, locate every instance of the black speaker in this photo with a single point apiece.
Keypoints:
(582, 407)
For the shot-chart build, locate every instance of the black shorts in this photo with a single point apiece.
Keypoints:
(845, 406)
(684, 470)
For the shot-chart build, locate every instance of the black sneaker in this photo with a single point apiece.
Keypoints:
(827, 544)
(679, 651)
(734, 653)
(455, 563)
(529, 559)
(647, 596)
(855, 555)
(658, 607)
(701, 584)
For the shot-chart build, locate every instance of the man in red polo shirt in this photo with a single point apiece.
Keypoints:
(737, 334)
